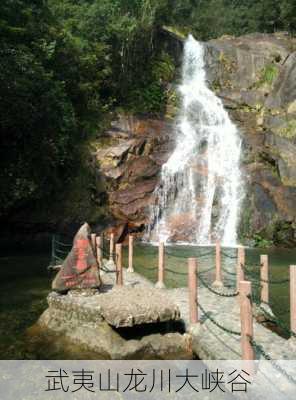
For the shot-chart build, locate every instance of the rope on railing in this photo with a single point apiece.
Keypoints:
(151, 250)
(176, 272)
(207, 315)
(58, 251)
(108, 271)
(254, 298)
(228, 272)
(206, 270)
(171, 254)
(205, 254)
(62, 252)
(174, 254)
(273, 319)
(269, 281)
(107, 253)
(214, 291)
(259, 349)
(179, 257)
(255, 283)
(249, 267)
(275, 282)
(148, 268)
(228, 255)
(69, 245)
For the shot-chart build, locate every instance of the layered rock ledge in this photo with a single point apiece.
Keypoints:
(120, 324)
(121, 307)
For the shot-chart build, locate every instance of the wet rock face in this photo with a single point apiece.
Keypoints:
(255, 76)
(130, 163)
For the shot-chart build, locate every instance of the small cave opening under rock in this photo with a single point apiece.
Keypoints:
(137, 332)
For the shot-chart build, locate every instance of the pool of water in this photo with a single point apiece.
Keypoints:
(146, 259)
(24, 286)
(25, 283)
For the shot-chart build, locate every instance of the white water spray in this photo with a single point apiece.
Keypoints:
(199, 195)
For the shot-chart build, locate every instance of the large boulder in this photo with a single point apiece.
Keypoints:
(80, 268)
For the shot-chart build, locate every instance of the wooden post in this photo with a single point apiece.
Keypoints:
(130, 253)
(240, 273)
(218, 279)
(264, 279)
(111, 245)
(93, 242)
(192, 288)
(160, 282)
(293, 298)
(119, 272)
(99, 250)
(245, 292)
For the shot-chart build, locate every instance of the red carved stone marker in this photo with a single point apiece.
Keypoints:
(80, 268)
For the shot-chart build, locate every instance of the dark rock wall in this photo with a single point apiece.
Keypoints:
(255, 76)
(130, 162)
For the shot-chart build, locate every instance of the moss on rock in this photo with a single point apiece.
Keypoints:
(289, 131)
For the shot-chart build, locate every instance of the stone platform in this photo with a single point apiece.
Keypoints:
(95, 320)
(136, 321)
(128, 306)
(120, 307)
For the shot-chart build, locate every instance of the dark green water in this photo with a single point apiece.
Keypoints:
(25, 283)
(24, 286)
(146, 258)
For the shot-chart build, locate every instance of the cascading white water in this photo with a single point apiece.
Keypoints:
(201, 184)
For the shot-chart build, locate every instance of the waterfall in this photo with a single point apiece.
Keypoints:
(200, 190)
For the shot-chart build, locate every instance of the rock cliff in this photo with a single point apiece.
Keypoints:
(255, 76)
(130, 162)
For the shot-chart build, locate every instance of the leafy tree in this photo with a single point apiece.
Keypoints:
(213, 18)
(36, 117)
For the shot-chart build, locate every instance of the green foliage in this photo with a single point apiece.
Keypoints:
(179, 33)
(151, 95)
(268, 75)
(36, 117)
(261, 242)
(163, 70)
(65, 64)
(149, 99)
(127, 33)
(213, 18)
(289, 131)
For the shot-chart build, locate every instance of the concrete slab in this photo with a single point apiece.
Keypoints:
(129, 306)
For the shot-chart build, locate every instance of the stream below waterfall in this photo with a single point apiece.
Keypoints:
(25, 283)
